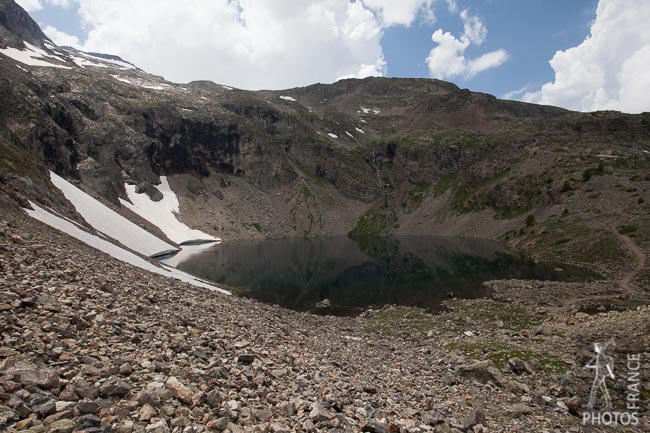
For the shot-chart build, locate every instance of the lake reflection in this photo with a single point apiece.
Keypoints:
(354, 274)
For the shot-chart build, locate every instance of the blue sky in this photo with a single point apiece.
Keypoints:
(530, 30)
(552, 51)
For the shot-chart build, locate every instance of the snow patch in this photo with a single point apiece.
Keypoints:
(288, 98)
(140, 83)
(42, 53)
(369, 110)
(105, 220)
(360, 130)
(114, 250)
(226, 87)
(332, 135)
(121, 79)
(31, 56)
(352, 136)
(153, 87)
(163, 213)
(83, 63)
(362, 121)
(119, 63)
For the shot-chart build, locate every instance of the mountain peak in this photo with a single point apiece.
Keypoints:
(16, 26)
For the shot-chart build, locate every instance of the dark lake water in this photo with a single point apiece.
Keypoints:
(355, 274)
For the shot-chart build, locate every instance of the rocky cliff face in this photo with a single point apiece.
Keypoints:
(320, 160)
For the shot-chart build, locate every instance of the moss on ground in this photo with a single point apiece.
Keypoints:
(488, 312)
(500, 353)
(401, 320)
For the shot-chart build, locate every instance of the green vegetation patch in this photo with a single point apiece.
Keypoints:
(486, 312)
(255, 226)
(444, 183)
(401, 321)
(17, 161)
(500, 352)
(371, 223)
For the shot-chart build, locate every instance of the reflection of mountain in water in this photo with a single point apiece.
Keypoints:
(297, 273)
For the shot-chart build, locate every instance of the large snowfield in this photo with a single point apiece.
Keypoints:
(163, 213)
(110, 223)
(113, 250)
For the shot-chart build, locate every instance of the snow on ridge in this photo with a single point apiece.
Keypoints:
(226, 87)
(121, 79)
(32, 55)
(140, 83)
(332, 135)
(114, 250)
(82, 63)
(41, 52)
(119, 63)
(288, 98)
(107, 221)
(154, 87)
(163, 213)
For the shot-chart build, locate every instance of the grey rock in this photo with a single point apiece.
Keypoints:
(476, 417)
(517, 410)
(325, 303)
(45, 409)
(319, 413)
(148, 397)
(87, 407)
(519, 366)
(88, 422)
(482, 371)
(435, 418)
(158, 427)
(375, 426)
(62, 426)
(114, 387)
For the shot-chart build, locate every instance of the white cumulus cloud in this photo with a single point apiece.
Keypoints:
(30, 5)
(60, 38)
(448, 60)
(401, 12)
(609, 69)
(250, 44)
(37, 5)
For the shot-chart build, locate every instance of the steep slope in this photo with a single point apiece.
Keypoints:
(372, 156)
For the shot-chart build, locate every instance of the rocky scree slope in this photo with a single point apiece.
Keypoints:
(366, 157)
(92, 344)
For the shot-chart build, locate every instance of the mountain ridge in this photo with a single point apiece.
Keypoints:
(370, 156)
